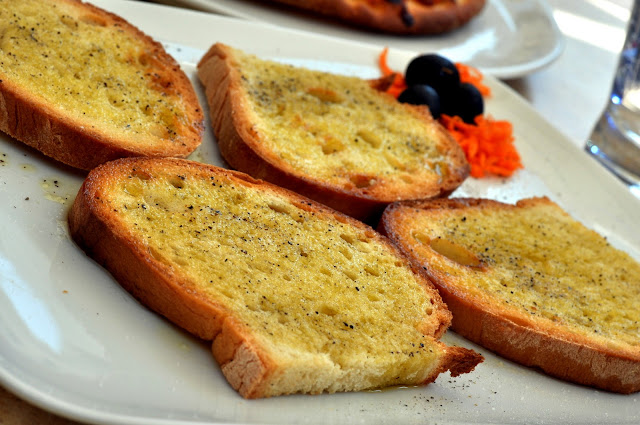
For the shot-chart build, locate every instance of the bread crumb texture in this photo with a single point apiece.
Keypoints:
(339, 129)
(89, 66)
(328, 300)
(538, 260)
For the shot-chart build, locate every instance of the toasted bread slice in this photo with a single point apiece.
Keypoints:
(530, 283)
(83, 86)
(329, 137)
(296, 297)
(396, 16)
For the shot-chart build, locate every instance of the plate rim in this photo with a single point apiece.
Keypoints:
(252, 13)
(50, 402)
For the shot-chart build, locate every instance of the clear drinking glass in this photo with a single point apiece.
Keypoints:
(615, 140)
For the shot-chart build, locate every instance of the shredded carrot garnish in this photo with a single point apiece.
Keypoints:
(487, 143)
(469, 74)
(398, 84)
(382, 63)
(397, 87)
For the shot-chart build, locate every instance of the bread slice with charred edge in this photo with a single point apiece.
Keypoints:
(295, 297)
(83, 86)
(530, 283)
(332, 138)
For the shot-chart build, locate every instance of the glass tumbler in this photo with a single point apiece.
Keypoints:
(615, 140)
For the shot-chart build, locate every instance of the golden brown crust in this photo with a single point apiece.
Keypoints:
(155, 284)
(462, 360)
(84, 144)
(555, 351)
(242, 362)
(93, 228)
(246, 364)
(233, 129)
(401, 17)
(512, 333)
(241, 147)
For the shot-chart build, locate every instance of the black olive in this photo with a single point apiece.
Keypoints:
(420, 94)
(469, 102)
(435, 71)
(449, 102)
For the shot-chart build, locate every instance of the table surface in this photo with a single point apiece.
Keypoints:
(570, 93)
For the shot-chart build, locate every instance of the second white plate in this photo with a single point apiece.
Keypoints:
(510, 38)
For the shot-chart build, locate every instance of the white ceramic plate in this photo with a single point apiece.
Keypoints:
(509, 38)
(73, 342)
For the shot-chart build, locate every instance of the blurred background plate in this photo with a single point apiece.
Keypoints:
(508, 39)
